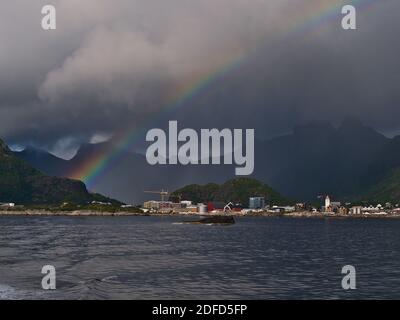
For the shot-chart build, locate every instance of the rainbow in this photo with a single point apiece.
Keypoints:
(305, 16)
(96, 164)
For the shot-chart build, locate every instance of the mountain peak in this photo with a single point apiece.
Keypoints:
(351, 123)
(313, 129)
(22, 183)
(353, 128)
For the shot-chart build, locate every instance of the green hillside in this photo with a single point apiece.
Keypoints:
(235, 190)
(22, 184)
(387, 190)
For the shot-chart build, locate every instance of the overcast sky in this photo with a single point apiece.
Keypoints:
(113, 64)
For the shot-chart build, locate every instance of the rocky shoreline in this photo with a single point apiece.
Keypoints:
(90, 213)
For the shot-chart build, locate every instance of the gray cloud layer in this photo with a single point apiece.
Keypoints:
(112, 64)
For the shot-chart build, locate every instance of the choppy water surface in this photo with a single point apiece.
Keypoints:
(154, 258)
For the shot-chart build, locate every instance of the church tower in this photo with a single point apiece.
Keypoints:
(327, 202)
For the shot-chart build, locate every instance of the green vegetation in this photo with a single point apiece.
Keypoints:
(387, 190)
(70, 207)
(196, 193)
(94, 207)
(235, 190)
(23, 184)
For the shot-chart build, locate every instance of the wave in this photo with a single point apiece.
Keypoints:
(7, 292)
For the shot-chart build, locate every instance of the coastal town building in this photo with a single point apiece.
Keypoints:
(7, 205)
(355, 210)
(327, 202)
(215, 206)
(282, 209)
(257, 206)
(257, 202)
(173, 207)
(201, 208)
(300, 206)
(371, 208)
(151, 205)
(102, 203)
(331, 206)
(192, 209)
(186, 203)
(343, 210)
(388, 205)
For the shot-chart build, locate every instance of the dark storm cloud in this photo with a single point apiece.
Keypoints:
(324, 75)
(112, 64)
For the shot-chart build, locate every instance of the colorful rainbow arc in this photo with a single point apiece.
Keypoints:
(95, 165)
(319, 13)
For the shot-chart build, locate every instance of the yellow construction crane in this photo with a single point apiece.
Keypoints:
(162, 193)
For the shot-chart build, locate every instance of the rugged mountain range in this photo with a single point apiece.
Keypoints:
(321, 159)
(130, 175)
(347, 162)
(21, 183)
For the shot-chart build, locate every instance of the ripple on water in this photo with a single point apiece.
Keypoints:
(156, 258)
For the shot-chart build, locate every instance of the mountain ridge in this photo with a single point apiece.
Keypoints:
(344, 161)
(237, 190)
(21, 183)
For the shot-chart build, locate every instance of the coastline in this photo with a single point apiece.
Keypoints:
(91, 213)
(75, 213)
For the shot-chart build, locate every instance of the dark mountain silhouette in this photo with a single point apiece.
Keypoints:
(237, 190)
(314, 159)
(130, 175)
(320, 159)
(44, 161)
(21, 183)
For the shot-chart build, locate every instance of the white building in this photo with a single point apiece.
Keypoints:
(186, 203)
(372, 209)
(7, 205)
(152, 205)
(201, 208)
(356, 210)
(327, 202)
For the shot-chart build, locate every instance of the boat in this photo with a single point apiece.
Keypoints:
(213, 220)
